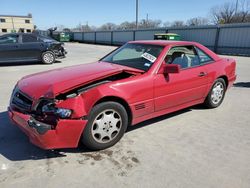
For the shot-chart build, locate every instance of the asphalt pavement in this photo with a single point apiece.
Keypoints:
(191, 148)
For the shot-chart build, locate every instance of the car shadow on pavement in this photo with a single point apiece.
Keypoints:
(242, 84)
(15, 145)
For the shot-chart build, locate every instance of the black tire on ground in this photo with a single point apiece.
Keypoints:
(48, 57)
(105, 118)
(211, 101)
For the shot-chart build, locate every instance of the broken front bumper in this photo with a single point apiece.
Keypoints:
(66, 134)
(60, 53)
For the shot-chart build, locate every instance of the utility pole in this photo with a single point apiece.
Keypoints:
(147, 20)
(137, 9)
(13, 27)
(236, 7)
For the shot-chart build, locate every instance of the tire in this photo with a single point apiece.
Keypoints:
(106, 125)
(216, 94)
(48, 57)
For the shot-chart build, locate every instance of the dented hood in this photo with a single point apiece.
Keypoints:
(51, 83)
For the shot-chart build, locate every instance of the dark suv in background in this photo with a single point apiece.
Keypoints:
(24, 47)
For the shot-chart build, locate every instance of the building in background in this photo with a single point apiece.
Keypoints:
(13, 23)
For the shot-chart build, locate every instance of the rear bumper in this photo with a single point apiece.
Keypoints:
(66, 135)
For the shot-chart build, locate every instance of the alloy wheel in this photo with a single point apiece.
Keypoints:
(106, 126)
(48, 58)
(217, 92)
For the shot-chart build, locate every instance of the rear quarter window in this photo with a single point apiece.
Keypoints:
(9, 39)
(204, 58)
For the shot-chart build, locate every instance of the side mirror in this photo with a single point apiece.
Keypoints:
(169, 69)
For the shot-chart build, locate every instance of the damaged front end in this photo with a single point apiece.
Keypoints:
(47, 125)
(45, 115)
(57, 122)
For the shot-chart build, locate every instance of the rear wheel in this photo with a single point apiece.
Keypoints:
(106, 125)
(48, 57)
(216, 94)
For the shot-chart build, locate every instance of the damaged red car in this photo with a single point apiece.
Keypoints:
(95, 103)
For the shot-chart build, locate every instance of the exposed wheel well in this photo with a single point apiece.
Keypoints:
(51, 51)
(118, 100)
(225, 79)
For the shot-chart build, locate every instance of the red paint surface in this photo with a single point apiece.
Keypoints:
(158, 93)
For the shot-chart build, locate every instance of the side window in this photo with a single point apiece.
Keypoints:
(185, 56)
(29, 38)
(9, 39)
(204, 58)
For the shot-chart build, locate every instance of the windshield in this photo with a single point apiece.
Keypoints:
(139, 56)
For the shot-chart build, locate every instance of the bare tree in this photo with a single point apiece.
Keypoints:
(83, 28)
(86, 28)
(126, 25)
(108, 27)
(60, 27)
(197, 21)
(150, 23)
(177, 23)
(242, 14)
(66, 30)
(230, 13)
(223, 14)
(167, 24)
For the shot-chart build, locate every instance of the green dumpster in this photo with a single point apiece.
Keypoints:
(167, 36)
(64, 37)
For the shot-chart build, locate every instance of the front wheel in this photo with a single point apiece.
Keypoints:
(106, 125)
(216, 94)
(48, 57)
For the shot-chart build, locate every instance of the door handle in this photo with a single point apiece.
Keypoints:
(202, 74)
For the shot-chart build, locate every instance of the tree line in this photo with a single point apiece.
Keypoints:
(229, 12)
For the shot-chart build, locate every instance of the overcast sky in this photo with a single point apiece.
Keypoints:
(48, 13)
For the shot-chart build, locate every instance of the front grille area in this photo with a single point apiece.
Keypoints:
(21, 101)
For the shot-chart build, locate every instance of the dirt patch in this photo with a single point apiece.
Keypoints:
(107, 152)
(122, 173)
(48, 167)
(122, 160)
(95, 156)
(3, 180)
(80, 161)
(134, 159)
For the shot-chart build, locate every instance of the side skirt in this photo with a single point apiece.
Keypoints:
(166, 111)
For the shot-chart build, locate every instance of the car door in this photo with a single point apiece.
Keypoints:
(9, 46)
(187, 86)
(31, 47)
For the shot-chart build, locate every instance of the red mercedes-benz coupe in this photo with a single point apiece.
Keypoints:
(95, 103)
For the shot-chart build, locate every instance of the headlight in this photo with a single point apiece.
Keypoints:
(63, 113)
(50, 109)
